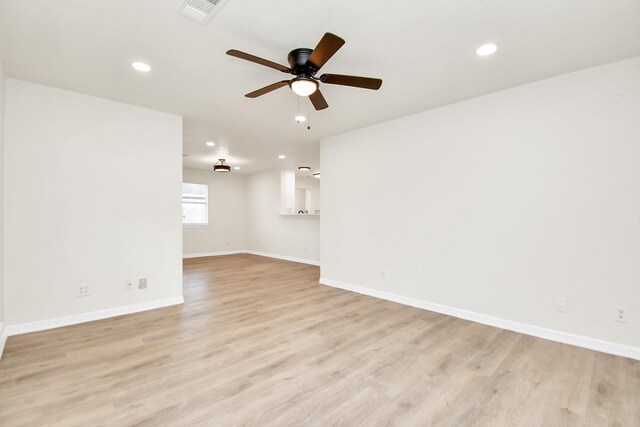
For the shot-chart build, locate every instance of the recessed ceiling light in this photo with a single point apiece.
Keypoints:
(300, 118)
(237, 168)
(141, 66)
(282, 156)
(487, 49)
(304, 168)
(210, 144)
(316, 175)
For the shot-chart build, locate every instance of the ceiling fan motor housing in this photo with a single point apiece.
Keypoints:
(298, 63)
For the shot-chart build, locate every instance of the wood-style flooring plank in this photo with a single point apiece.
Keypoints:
(260, 342)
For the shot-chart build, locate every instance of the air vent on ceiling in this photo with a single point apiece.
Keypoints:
(200, 10)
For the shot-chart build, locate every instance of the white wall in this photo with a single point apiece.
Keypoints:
(227, 220)
(250, 218)
(313, 184)
(270, 232)
(2, 303)
(499, 204)
(92, 195)
(300, 199)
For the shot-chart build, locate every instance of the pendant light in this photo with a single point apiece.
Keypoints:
(221, 166)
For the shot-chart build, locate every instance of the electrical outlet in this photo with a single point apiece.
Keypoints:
(621, 314)
(383, 274)
(129, 285)
(142, 283)
(83, 290)
(562, 304)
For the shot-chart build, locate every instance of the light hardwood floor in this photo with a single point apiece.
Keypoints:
(260, 342)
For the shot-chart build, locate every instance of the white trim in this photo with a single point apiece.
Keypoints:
(523, 328)
(206, 254)
(41, 325)
(3, 338)
(265, 254)
(285, 257)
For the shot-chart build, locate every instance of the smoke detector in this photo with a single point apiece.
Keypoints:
(200, 10)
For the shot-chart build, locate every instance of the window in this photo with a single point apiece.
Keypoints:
(195, 206)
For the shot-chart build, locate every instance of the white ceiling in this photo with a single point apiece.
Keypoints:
(423, 50)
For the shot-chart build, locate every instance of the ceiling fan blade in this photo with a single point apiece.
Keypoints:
(318, 100)
(267, 89)
(355, 81)
(257, 60)
(328, 45)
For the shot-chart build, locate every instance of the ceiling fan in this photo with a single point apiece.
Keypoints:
(304, 64)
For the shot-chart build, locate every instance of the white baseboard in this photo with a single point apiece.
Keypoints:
(265, 254)
(25, 328)
(3, 338)
(285, 257)
(219, 253)
(523, 328)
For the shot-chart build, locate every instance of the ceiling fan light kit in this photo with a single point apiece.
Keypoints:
(303, 86)
(221, 166)
(304, 63)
